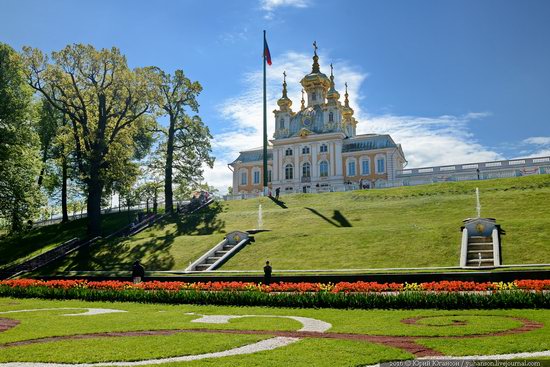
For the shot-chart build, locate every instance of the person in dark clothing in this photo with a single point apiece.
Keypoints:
(267, 273)
(277, 192)
(138, 272)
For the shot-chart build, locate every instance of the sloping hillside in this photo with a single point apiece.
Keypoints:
(400, 227)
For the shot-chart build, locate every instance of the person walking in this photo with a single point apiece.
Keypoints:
(138, 272)
(277, 192)
(267, 273)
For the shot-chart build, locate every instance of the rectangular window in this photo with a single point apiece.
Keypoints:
(365, 167)
(380, 165)
(256, 177)
(243, 178)
(351, 168)
(324, 148)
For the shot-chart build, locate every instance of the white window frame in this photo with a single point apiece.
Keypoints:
(254, 172)
(309, 169)
(328, 168)
(323, 146)
(245, 172)
(291, 171)
(365, 159)
(376, 159)
(287, 150)
(306, 150)
(354, 161)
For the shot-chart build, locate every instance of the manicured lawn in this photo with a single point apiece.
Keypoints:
(435, 329)
(400, 227)
(16, 248)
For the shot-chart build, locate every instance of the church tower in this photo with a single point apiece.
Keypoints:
(349, 123)
(316, 84)
(284, 113)
(316, 148)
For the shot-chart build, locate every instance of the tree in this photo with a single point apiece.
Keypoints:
(103, 100)
(19, 162)
(177, 93)
(56, 148)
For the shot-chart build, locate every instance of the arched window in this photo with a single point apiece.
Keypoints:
(305, 150)
(331, 117)
(313, 96)
(323, 148)
(351, 167)
(380, 165)
(244, 177)
(282, 123)
(288, 152)
(306, 170)
(365, 166)
(323, 169)
(289, 172)
(256, 178)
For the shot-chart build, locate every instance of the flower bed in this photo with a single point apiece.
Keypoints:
(444, 294)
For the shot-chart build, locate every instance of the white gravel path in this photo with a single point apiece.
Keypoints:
(308, 324)
(89, 311)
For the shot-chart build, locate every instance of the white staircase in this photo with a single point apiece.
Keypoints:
(220, 253)
(480, 244)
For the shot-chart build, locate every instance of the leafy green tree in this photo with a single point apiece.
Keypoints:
(104, 100)
(19, 160)
(178, 93)
(56, 147)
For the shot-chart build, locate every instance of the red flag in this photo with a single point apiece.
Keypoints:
(267, 55)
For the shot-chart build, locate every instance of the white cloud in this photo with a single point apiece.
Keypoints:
(541, 147)
(432, 141)
(270, 5)
(538, 140)
(426, 141)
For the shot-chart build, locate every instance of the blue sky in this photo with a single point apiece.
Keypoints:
(452, 81)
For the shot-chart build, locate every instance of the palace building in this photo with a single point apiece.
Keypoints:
(317, 149)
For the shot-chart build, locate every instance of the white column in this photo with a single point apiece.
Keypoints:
(332, 164)
(280, 168)
(338, 157)
(275, 166)
(235, 181)
(314, 170)
(297, 170)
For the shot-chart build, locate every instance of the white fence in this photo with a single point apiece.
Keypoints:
(428, 175)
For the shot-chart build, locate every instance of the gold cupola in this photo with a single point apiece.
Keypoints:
(284, 102)
(333, 96)
(316, 84)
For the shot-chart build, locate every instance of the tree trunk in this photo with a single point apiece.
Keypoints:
(168, 194)
(64, 189)
(95, 188)
(43, 169)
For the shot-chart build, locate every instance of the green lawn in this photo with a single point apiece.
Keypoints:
(16, 248)
(435, 331)
(396, 228)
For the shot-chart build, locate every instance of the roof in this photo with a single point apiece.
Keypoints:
(256, 155)
(368, 142)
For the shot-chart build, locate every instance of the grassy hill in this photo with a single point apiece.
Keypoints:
(16, 248)
(400, 227)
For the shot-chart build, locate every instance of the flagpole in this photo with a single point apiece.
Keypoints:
(265, 124)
